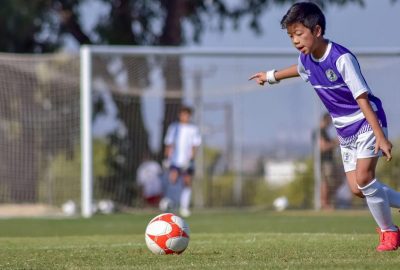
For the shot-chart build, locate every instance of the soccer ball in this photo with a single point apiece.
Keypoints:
(69, 208)
(167, 234)
(106, 206)
(281, 203)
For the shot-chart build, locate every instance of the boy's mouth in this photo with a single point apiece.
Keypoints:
(302, 49)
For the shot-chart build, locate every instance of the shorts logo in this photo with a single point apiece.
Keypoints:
(346, 157)
(371, 147)
(331, 75)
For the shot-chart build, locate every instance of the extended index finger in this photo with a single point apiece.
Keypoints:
(254, 76)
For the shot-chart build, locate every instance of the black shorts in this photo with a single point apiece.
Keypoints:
(189, 171)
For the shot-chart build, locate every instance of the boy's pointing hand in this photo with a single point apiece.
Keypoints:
(260, 77)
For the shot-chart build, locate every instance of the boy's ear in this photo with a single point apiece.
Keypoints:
(317, 31)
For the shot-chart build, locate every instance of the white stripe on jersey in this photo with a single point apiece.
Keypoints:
(329, 87)
(344, 121)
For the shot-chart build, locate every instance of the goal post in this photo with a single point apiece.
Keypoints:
(240, 62)
(86, 133)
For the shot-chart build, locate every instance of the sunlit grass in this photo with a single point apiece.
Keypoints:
(219, 240)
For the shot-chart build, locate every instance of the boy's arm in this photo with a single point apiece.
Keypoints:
(274, 76)
(194, 150)
(286, 73)
(167, 155)
(169, 141)
(168, 151)
(381, 141)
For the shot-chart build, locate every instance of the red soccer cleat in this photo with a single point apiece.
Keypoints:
(388, 240)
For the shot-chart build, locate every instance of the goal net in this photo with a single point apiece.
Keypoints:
(259, 143)
(76, 128)
(39, 129)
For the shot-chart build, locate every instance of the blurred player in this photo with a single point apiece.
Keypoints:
(181, 142)
(330, 180)
(357, 114)
(148, 178)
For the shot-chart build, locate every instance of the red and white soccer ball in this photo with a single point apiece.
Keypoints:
(167, 234)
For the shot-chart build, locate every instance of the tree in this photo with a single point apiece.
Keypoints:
(137, 23)
(40, 26)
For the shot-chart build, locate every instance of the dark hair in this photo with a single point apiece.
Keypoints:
(186, 109)
(306, 13)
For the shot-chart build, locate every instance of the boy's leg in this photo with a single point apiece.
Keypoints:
(359, 160)
(186, 195)
(325, 198)
(378, 203)
(349, 159)
(168, 202)
(173, 174)
(366, 150)
(352, 182)
(393, 196)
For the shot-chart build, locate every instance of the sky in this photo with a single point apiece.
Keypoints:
(374, 26)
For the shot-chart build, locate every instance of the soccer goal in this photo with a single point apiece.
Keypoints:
(75, 128)
(259, 143)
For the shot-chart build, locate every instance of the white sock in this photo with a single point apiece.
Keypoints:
(393, 196)
(185, 197)
(378, 204)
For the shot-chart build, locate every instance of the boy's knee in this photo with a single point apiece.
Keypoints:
(364, 179)
(358, 193)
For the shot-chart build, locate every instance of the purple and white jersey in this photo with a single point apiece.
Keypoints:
(338, 81)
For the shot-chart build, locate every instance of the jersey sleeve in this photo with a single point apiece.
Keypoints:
(169, 136)
(349, 68)
(301, 70)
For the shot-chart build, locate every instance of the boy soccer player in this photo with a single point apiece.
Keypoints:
(357, 114)
(181, 141)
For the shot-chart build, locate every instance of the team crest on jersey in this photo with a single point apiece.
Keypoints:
(331, 75)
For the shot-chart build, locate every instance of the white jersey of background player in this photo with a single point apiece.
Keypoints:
(181, 142)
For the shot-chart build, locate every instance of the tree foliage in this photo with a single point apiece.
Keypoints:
(43, 25)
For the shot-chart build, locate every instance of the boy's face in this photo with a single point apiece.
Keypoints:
(184, 117)
(303, 38)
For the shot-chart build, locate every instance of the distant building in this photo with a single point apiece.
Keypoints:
(280, 173)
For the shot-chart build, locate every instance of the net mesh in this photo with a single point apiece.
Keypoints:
(257, 141)
(39, 111)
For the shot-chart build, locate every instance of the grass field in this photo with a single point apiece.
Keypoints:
(219, 240)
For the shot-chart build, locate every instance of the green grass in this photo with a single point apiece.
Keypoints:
(219, 240)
